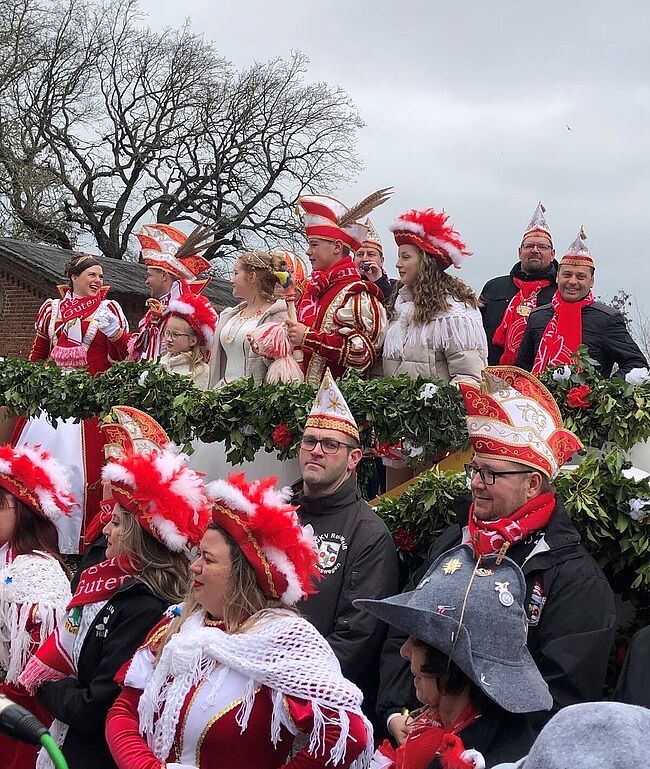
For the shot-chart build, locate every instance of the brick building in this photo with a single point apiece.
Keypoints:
(30, 273)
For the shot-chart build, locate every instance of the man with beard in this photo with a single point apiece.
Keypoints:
(519, 443)
(507, 301)
(356, 553)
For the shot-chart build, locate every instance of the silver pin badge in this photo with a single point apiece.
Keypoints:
(505, 596)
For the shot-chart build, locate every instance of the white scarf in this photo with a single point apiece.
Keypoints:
(282, 651)
(460, 326)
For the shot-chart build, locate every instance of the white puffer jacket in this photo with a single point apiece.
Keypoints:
(452, 347)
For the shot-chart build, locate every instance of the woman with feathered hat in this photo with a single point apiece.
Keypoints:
(34, 584)
(238, 672)
(159, 509)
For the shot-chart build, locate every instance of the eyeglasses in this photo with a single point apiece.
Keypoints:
(328, 445)
(538, 246)
(174, 334)
(489, 476)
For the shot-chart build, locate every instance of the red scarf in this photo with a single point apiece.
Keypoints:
(488, 537)
(55, 660)
(515, 319)
(319, 282)
(563, 333)
(425, 739)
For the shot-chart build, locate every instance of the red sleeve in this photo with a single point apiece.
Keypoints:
(129, 749)
(303, 717)
(118, 348)
(41, 346)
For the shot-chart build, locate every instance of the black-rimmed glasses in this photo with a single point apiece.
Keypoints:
(489, 476)
(328, 445)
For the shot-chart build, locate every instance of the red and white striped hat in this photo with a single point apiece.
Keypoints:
(164, 495)
(34, 477)
(198, 312)
(266, 528)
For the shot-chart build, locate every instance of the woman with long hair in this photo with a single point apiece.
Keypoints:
(34, 582)
(80, 329)
(159, 510)
(238, 672)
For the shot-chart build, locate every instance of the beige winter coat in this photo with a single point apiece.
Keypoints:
(452, 347)
(181, 364)
(254, 365)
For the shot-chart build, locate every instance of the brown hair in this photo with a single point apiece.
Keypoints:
(432, 290)
(77, 264)
(33, 532)
(263, 264)
(166, 574)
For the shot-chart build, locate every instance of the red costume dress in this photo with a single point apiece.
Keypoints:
(34, 591)
(227, 716)
(76, 332)
(346, 322)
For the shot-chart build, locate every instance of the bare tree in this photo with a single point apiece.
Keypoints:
(105, 124)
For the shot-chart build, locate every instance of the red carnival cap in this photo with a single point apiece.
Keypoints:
(578, 253)
(168, 248)
(34, 477)
(266, 528)
(514, 417)
(327, 218)
(164, 495)
(429, 231)
(199, 313)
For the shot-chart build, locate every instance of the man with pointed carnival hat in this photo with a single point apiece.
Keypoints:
(508, 300)
(356, 553)
(341, 319)
(370, 261)
(574, 317)
(174, 264)
(520, 443)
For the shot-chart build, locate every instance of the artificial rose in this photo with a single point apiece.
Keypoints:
(404, 540)
(282, 435)
(576, 398)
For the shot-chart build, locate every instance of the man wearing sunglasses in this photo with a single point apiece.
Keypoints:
(356, 553)
(507, 301)
(519, 445)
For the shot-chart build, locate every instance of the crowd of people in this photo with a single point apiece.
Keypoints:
(214, 614)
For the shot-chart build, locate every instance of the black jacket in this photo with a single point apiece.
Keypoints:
(83, 702)
(633, 684)
(603, 331)
(357, 560)
(385, 284)
(500, 737)
(570, 609)
(496, 296)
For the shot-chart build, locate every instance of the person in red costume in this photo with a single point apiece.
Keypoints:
(81, 329)
(341, 319)
(235, 671)
(34, 583)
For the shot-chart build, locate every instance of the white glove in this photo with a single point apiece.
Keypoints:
(637, 376)
(108, 323)
(473, 756)
(180, 766)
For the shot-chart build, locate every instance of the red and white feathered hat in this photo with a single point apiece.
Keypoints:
(327, 218)
(512, 416)
(266, 528)
(167, 248)
(34, 477)
(538, 224)
(578, 253)
(429, 231)
(199, 313)
(164, 495)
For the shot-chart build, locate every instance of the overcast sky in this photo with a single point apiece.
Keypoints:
(468, 107)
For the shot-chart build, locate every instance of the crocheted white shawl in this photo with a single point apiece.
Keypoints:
(282, 651)
(460, 327)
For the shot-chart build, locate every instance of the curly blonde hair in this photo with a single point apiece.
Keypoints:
(432, 290)
(264, 264)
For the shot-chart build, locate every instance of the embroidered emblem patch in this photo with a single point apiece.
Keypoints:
(536, 604)
(330, 549)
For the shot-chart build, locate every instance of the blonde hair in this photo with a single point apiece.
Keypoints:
(244, 602)
(432, 289)
(166, 574)
(263, 264)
